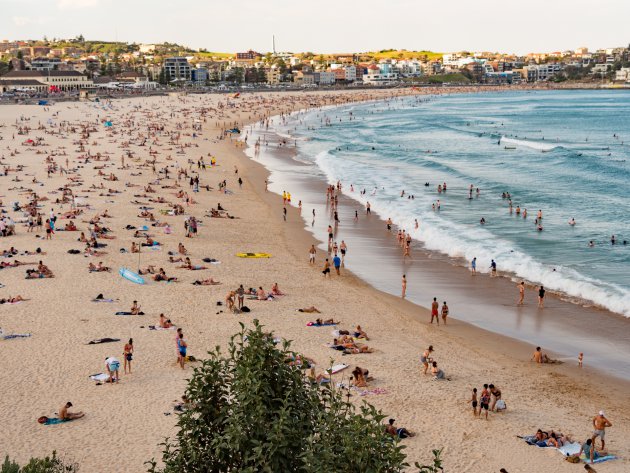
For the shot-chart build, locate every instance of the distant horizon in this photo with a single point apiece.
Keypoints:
(489, 25)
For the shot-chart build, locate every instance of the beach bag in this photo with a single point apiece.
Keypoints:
(572, 458)
(42, 420)
(500, 406)
(245, 309)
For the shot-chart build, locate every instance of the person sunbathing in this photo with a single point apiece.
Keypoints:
(149, 270)
(181, 249)
(325, 322)
(175, 260)
(161, 276)
(360, 377)
(92, 252)
(401, 432)
(318, 379)
(135, 309)
(164, 322)
(188, 265)
(275, 290)
(82, 238)
(360, 333)
(310, 310)
(134, 247)
(261, 295)
(206, 282)
(64, 414)
(71, 227)
(12, 300)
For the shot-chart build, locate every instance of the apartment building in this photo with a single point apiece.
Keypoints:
(177, 68)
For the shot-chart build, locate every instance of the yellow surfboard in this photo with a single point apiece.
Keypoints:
(253, 255)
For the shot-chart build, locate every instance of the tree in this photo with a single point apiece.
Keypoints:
(253, 411)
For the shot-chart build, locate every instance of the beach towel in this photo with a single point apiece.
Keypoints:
(103, 340)
(53, 421)
(598, 460)
(313, 324)
(369, 392)
(99, 377)
(14, 335)
(157, 327)
(102, 300)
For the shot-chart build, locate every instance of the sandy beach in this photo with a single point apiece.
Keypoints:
(125, 422)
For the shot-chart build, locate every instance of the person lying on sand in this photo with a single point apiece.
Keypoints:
(12, 300)
(318, 378)
(98, 268)
(161, 276)
(206, 282)
(64, 414)
(192, 267)
(326, 322)
(175, 260)
(310, 310)
(350, 346)
(149, 270)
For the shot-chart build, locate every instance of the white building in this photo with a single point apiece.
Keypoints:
(326, 78)
(62, 80)
(623, 74)
(380, 75)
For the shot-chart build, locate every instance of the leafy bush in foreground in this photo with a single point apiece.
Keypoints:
(252, 411)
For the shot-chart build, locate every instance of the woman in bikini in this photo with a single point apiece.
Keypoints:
(127, 356)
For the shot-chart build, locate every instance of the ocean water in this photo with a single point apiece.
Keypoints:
(565, 153)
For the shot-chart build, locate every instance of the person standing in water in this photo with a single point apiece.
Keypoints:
(404, 286)
(473, 266)
(521, 293)
(541, 297)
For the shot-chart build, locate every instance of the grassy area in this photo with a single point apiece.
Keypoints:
(211, 54)
(440, 78)
(404, 54)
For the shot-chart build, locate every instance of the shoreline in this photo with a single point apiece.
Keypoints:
(47, 369)
(552, 328)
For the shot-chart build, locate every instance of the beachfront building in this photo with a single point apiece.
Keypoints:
(199, 75)
(45, 63)
(273, 75)
(325, 77)
(623, 74)
(61, 80)
(177, 68)
(380, 75)
(23, 85)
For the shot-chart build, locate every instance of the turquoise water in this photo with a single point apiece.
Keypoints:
(567, 155)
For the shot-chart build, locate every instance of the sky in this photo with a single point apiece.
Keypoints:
(329, 26)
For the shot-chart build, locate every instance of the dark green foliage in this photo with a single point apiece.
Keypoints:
(52, 464)
(251, 411)
(437, 464)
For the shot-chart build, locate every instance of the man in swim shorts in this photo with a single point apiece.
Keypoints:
(434, 310)
(311, 254)
(600, 423)
(112, 365)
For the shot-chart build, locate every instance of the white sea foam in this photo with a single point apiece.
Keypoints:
(529, 144)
